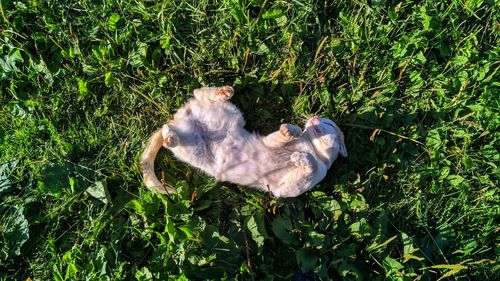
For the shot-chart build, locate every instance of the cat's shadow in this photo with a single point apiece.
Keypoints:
(265, 107)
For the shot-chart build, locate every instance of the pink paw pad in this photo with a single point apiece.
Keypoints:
(225, 92)
(288, 132)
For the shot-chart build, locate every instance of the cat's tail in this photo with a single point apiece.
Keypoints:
(148, 165)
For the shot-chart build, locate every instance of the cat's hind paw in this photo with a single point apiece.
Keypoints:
(170, 139)
(214, 94)
(290, 131)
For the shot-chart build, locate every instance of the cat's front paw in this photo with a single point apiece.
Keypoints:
(225, 92)
(170, 139)
(300, 159)
(289, 131)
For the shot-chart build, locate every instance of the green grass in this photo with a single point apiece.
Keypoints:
(414, 86)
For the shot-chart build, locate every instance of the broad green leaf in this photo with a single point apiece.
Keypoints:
(391, 265)
(317, 239)
(73, 184)
(226, 249)
(272, 14)
(143, 274)
(89, 69)
(455, 180)
(6, 170)
(82, 86)
(306, 259)
(326, 204)
(358, 203)
(459, 60)
(137, 206)
(181, 278)
(170, 230)
(444, 172)
(138, 55)
(399, 50)
(150, 203)
(99, 262)
(480, 72)
(262, 48)
(476, 107)
(433, 139)
(18, 109)
(236, 11)
(361, 229)
(8, 64)
(426, 19)
(187, 230)
(55, 180)
(109, 78)
(13, 230)
(256, 226)
(420, 58)
(417, 82)
(99, 191)
(473, 4)
(350, 271)
(112, 21)
(467, 161)
(202, 205)
(282, 227)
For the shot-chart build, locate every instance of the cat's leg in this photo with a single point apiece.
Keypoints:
(170, 138)
(284, 135)
(301, 178)
(188, 147)
(211, 107)
(214, 93)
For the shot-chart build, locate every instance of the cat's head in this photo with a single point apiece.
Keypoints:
(327, 139)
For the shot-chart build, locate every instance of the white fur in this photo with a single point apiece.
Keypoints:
(208, 134)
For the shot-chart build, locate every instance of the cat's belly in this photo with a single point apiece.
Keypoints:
(239, 159)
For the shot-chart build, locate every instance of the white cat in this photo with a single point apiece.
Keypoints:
(208, 134)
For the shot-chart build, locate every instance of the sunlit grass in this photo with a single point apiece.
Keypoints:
(413, 85)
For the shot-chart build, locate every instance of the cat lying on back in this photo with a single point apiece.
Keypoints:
(207, 133)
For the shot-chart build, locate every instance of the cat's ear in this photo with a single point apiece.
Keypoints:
(340, 138)
(343, 149)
